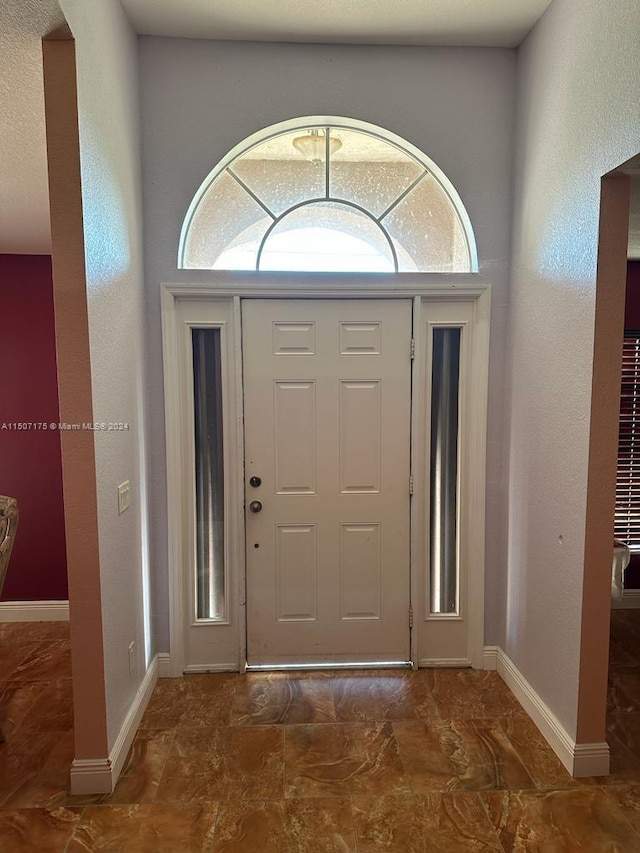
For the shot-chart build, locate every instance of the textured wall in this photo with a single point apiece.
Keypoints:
(199, 99)
(110, 160)
(31, 461)
(578, 117)
(24, 198)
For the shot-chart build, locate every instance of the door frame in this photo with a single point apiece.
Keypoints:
(225, 290)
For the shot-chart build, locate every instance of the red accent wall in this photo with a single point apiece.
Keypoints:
(31, 460)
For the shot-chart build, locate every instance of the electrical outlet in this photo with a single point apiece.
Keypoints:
(132, 656)
(124, 490)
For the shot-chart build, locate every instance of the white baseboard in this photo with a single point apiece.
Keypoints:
(591, 759)
(490, 657)
(213, 667)
(454, 662)
(164, 665)
(580, 759)
(99, 775)
(34, 611)
(630, 600)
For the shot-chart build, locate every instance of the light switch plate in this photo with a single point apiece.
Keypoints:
(123, 496)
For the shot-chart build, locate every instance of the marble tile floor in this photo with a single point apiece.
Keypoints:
(435, 760)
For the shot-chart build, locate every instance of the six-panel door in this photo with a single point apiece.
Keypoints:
(327, 404)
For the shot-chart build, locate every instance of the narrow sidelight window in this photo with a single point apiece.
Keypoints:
(211, 601)
(445, 385)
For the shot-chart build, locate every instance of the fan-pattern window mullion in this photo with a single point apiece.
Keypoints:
(267, 205)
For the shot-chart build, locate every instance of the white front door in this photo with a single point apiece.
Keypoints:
(327, 407)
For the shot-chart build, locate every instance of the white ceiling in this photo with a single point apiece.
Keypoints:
(420, 22)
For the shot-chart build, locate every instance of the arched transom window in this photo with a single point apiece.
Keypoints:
(327, 194)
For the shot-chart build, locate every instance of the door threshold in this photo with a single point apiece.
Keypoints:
(375, 664)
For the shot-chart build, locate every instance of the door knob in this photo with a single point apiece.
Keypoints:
(255, 482)
(255, 506)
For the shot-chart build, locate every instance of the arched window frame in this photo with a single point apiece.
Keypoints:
(338, 123)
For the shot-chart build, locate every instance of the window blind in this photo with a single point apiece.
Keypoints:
(627, 517)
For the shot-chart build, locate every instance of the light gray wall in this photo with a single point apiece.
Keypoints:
(108, 108)
(199, 99)
(578, 117)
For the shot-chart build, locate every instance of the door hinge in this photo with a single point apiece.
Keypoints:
(412, 349)
(411, 617)
(411, 484)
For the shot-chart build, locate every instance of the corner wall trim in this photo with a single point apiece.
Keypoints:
(490, 657)
(34, 611)
(99, 775)
(164, 665)
(580, 759)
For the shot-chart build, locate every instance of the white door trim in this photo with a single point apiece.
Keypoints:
(424, 288)
(178, 381)
(472, 472)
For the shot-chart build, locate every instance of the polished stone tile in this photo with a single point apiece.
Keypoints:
(371, 672)
(7, 629)
(585, 819)
(620, 654)
(623, 737)
(295, 674)
(410, 748)
(45, 661)
(432, 823)
(12, 656)
(342, 759)
(49, 786)
(624, 648)
(209, 684)
(224, 763)
(16, 700)
(168, 705)
(286, 826)
(17, 771)
(471, 693)
(625, 728)
(403, 695)
(193, 700)
(624, 690)
(25, 632)
(472, 755)
(627, 797)
(261, 699)
(52, 712)
(210, 699)
(541, 762)
(141, 774)
(145, 829)
(36, 830)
